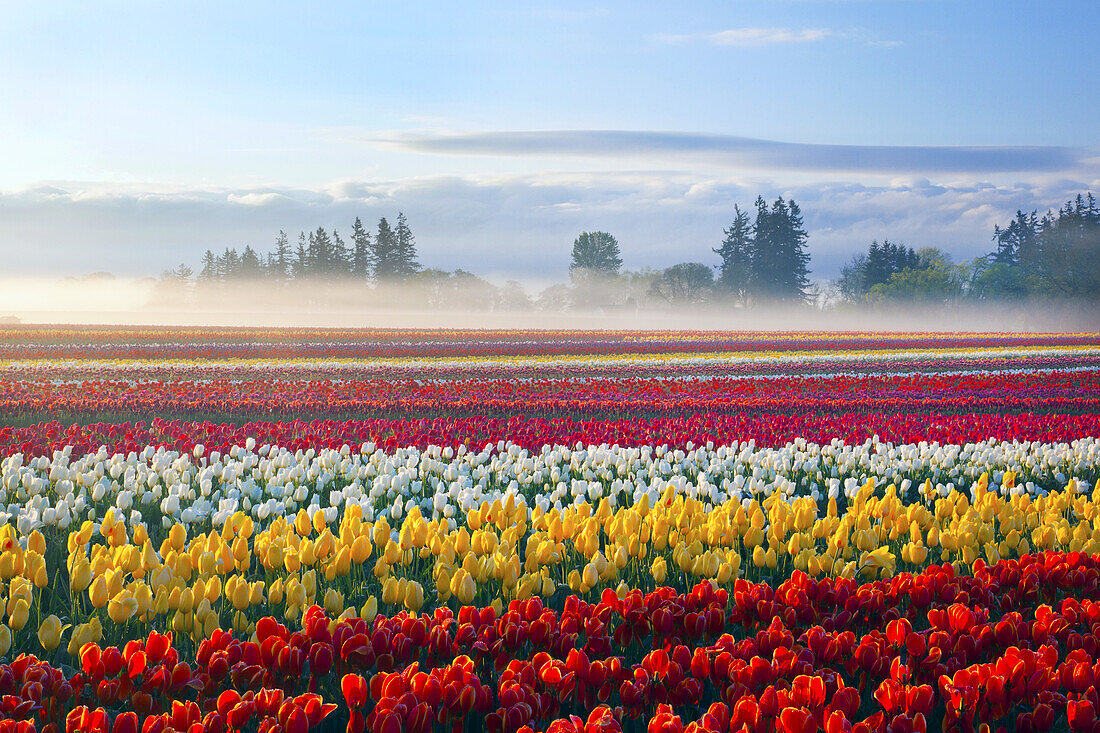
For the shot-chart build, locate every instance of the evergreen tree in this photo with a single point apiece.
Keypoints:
(279, 262)
(361, 251)
(300, 267)
(797, 259)
(763, 269)
(321, 253)
(735, 271)
(385, 253)
(230, 264)
(341, 255)
(780, 261)
(209, 272)
(250, 265)
(406, 262)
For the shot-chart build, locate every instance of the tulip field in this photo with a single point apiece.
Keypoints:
(394, 530)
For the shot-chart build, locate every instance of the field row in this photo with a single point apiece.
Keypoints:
(1015, 644)
(91, 342)
(91, 400)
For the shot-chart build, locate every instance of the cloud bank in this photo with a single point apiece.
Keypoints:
(742, 153)
(504, 226)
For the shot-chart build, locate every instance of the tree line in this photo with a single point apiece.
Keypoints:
(1055, 256)
(386, 256)
(763, 258)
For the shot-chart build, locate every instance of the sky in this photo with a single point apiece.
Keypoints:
(135, 135)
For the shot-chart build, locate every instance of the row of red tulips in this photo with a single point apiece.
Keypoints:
(1031, 391)
(533, 433)
(91, 342)
(1014, 646)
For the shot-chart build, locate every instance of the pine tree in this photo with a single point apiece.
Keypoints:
(385, 253)
(279, 262)
(361, 252)
(735, 270)
(798, 259)
(321, 253)
(341, 256)
(209, 273)
(300, 267)
(763, 249)
(250, 266)
(780, 260)
(225, 264)
(875, 272)
(406, 262)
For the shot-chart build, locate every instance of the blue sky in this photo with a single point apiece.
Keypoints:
(136, 134)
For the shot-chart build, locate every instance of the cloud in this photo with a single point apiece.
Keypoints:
(519, 225)
(743, 153)
(751, 37)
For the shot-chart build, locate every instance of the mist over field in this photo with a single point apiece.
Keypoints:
(140, 302)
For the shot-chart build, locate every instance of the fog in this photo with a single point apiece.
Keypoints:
(103, 300)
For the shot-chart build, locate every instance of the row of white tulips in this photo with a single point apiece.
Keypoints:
(158, 488)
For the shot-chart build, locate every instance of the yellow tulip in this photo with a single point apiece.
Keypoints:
(122, 608)
(370, 610)
(334, 602)
(360, 549)
(241, 596)
(414, 596)
(17, 617)
(659, 569)
(591, 575)
(49, 633)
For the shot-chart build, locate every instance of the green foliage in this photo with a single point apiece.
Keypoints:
(684, 284)
(767, 261)
(595, 254)
(1056, 257)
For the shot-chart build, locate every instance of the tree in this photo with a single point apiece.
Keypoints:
(230, 264)
(385, 253)
(301, 266)
(865, 271)
(361, 253)
(181, 274)
(210, 272)
(684, 283)
(322, 255)
(780, 261)
(993, 280)
(279, 262)
(595, 254)
(341, 256)
(513, 297)
(250, 265)
(735, 270)
(405, 261)
(554, 298)
(796, 260)
(850, 285)
(936, 279)
(471, 292)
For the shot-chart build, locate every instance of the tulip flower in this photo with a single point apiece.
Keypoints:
(49, 632)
